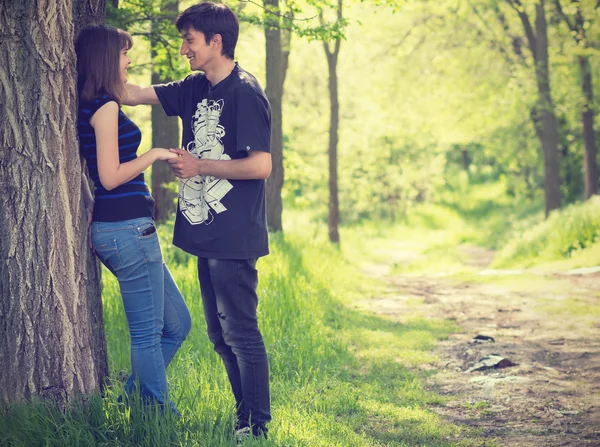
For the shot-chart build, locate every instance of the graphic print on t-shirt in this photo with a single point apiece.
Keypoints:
(201, 195)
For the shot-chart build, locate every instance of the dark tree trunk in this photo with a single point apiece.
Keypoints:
(543, 116)
(466, 161)
(579, 32)
(334, 109)
(286, 48)
(547, 117)
(51, 328)
(86, 12)
(165, 133)
(274, 92)
(589, 135)
(587, 113)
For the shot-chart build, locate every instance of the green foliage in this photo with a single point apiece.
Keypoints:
(153, 20)
(416, 88)
(300, 18)
(562, 235)
(335, 375)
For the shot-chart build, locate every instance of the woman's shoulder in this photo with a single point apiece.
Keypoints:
(91, 106)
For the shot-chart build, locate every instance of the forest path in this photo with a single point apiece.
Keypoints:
(548, 324)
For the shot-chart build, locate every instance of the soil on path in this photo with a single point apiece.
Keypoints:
(547, 324)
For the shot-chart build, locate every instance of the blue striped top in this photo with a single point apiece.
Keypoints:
(129, 200)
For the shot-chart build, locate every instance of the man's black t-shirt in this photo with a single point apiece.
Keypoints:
(220, 218)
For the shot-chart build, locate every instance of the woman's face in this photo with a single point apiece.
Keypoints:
(124, 62)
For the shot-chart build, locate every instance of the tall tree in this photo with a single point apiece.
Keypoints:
(52, 335)
(165, 130)
(543, 115)
(279, 28)
(577, 26)
(334, 108)
(274, 91)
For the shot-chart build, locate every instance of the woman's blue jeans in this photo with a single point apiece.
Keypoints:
(157, 315)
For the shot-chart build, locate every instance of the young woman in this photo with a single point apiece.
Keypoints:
(123, 232)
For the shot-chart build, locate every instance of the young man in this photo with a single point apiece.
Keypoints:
(221, 214)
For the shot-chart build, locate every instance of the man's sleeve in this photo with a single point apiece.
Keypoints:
(172, 95)
(253, 121)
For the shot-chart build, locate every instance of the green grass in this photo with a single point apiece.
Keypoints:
(581, 307)
(436, 237)
(570, 233)
(340, 376)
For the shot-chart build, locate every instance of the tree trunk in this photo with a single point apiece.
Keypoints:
(465, 160)
(86, 12)
(274, 92)
(286, 48)
(587, 114)
(547, 118)
(579, 32)
(334, 211)
(542, 114)
(51, 327)
(589, 136)
(165, 133)
(334, 109)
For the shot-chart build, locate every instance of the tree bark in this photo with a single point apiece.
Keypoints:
(543, 116)
(51, 327)
(547, 117)
(587, 114)
(589, 136)
(334, 109)
(286, 48)
(86, 12)
(578, 30)
(274, 92)
(165, 133)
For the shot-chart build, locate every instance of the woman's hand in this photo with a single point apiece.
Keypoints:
(163, 154)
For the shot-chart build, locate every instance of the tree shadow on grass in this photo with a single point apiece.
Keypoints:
(375, 388)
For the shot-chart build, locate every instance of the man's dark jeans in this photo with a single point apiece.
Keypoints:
(228, 289)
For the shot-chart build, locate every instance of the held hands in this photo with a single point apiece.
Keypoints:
(184, 164)
(163, 154)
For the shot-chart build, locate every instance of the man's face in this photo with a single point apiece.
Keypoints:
(195, 48)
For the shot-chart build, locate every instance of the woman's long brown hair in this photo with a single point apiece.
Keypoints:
(98, 49)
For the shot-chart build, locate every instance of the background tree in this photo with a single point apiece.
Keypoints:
(334, 111)
(275, 70)
(544, 116)
(165, 129)
(577, 25)
(281, 22)
(51, 323)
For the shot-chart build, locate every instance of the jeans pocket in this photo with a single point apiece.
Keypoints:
(107, 251)
(148, 239)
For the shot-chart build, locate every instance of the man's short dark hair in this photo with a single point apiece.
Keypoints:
(210, 19)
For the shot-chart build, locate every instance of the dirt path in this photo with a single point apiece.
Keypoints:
(547, 324)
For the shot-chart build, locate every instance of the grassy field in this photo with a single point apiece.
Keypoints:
(340, 376)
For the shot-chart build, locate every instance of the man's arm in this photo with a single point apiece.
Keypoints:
(256, 166)
(136, 95)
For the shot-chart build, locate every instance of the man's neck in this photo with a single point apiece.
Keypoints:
(219, 71)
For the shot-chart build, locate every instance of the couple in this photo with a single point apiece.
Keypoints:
(221, 214)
